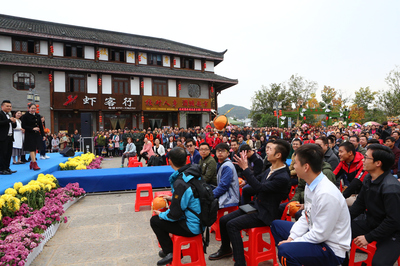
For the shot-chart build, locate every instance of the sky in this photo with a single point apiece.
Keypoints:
(343, 44)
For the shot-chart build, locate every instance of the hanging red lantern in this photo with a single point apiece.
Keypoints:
(327, 118)
(50, 78)
(140, 58)
(205, 65)
(280, 112)
(100, 119)
(174, 62)
(179, 86)
(37, 108)
(142, 84)
(51, 49)
(98, 54)
(99, 81)
(304, 118)
(142, 118)
(274, 113)
(212, 89)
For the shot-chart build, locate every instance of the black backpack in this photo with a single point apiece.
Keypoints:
(209, 206)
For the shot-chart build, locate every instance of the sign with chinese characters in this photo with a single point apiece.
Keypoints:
(155, 103)
(86, 101)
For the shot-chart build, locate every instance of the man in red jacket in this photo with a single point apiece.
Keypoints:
(350, 169)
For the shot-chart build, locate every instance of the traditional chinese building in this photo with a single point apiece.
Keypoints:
(122, 80)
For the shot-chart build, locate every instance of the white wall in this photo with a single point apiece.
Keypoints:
(59, 81)
(177, 61)
(92, 83)
(106, 84)
(209, 66)
(171, 88)
(103, 54)
(5, 43)
(89, 52)
(130, 57)
(58, 49)
(197, 64)
(44, 48)
(143, 60)
(147, 87)
(166, 60)
(135, 86)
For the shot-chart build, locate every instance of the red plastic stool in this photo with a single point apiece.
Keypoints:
(132, 160)
(195, 250)
(256, 245)
(137, 164)
(370, 250)
(285, 215)
(188, 160)
(215, 226)
(143, 201)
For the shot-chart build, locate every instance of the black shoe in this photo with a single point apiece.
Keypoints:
(5, 172)
(220, 254)
(167, 259)
(161, 254)
(11, 171)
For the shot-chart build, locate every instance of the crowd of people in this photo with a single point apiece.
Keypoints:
(345, 181)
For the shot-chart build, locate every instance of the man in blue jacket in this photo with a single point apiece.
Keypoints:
(227, 190)
(178, 220)
(193, 152)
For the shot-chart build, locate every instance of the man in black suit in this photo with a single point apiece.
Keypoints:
(7, 123)
(271, 187)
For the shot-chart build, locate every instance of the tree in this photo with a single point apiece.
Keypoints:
(389, 100)
(328, 94)
(312, 102)
(364, 98)
(356, 113)
(339, 103)
(300, 89)
(264, 100)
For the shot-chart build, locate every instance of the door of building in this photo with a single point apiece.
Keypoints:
(193, 120)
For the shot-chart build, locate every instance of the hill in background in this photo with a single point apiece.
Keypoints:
(239, 112)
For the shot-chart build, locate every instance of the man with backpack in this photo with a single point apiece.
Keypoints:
(182, 217)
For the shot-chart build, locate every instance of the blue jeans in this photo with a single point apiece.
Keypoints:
(301, 253)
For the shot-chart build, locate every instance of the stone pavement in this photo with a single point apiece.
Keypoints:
(104, 229)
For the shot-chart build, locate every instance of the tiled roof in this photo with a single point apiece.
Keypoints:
(57, 31)
(111, 67)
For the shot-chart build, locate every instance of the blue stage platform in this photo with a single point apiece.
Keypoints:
(116, 179)
(25, 175)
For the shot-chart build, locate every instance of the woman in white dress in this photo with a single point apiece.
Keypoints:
(18, 140)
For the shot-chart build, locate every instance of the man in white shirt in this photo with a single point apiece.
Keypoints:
(322, 235)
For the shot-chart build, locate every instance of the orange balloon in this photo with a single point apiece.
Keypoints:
(292, 208)
(159, 203)
(220, 122)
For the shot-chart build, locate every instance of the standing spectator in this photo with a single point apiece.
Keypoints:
(129, 152)
(376, 207)
(43, 155)
(110, 148)
(115, 139)
(7, 123)
(385, 131)
(34, 133)
(77, 140)
(55, 144)
(18, 139)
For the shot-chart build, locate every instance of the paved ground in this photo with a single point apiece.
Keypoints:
(104, 229)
